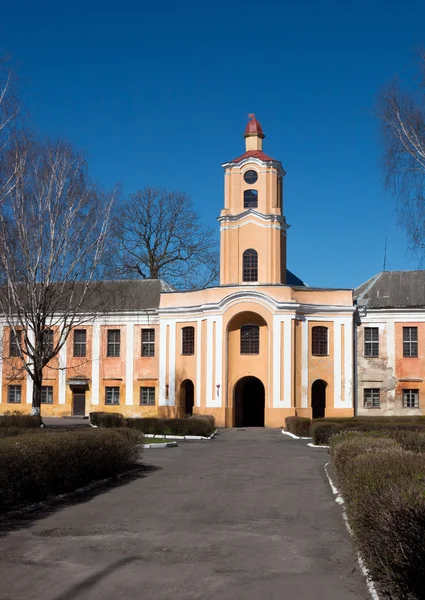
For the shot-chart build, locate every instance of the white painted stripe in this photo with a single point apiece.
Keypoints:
(162, 362)
(276, 360)
(95, 378)
(172, 365)
(287, 363)
(62, 375)
(337, 366)
(304, 364)
(208, 398)
(129, 364)
(348, 363)
(198, 363)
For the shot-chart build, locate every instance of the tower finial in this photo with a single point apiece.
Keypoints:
(251, 115)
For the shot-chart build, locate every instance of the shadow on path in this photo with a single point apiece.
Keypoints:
(92, 580)
(14, 520)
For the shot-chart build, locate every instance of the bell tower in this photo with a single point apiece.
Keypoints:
(252, 226)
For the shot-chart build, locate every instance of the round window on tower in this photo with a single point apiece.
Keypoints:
(250, 176)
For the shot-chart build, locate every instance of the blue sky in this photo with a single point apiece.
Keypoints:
(158, 94)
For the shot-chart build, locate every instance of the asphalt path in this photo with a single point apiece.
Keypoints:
(248, 515)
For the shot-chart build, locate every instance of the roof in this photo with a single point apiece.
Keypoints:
(292, 279)
(108, 296)
(392, 289)
(253, 127)
(254, 154)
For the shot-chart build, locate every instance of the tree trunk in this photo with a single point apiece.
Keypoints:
(36, 393)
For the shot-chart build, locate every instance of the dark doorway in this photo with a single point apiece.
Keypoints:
(78, 403)
(187, 394)
(249, 403)
(318, 398)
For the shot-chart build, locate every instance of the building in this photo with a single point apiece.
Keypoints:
(390, 348)
(257, 348)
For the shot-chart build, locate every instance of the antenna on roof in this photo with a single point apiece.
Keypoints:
(385, 251)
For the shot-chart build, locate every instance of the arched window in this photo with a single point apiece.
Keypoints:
(250, 339)
(250, 199)
(319, 341)
(188, 340)
(250, 265)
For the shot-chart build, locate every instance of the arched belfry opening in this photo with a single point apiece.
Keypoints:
(318, 398)
(187, 396)
(249, 402)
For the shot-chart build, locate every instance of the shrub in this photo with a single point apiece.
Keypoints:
(323, 431)
(208, 418)
(106, 419)
(298, 426)
(410, 440)
(347, 445)
(156, 426)
(384, 494)
(20, 421)
(33, 467)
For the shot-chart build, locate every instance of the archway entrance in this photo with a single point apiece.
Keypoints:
(318, 398)
(187, 396)
(249, 402)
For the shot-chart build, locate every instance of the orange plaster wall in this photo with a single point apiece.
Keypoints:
(145, 370)
(409, 367)
(322, 367)
(112, 369)
(185, 364)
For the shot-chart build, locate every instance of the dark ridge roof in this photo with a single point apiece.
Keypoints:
(106, 296)
(292, 279)
(392, 289)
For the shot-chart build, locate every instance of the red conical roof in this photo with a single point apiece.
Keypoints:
(253, 127)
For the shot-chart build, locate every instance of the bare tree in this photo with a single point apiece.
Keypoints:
(402, 120)
(10, 121)
(53, 230)
(159, 235)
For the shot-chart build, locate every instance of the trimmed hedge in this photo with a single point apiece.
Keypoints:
(106, 419)
(383, 487)
(20, 421)
(298, 426)
(33, 467)
(323, 431)
(202, 427)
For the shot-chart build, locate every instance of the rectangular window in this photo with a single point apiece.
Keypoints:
(114, 336)
(112, 395)
(47, 394)
(250, 339)
(147, 396)
(188, 340)
(371, 398)
(80, 342)
(319, 341)
(15, 342)
(47, 340)
(14, 394)
(148, 342)
(410, 398)
(371, 342)
(410, 341)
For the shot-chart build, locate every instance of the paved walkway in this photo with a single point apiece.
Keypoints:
(247, 516)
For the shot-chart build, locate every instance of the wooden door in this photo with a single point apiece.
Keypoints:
(79, 404)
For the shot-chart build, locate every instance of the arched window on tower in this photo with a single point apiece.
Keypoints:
(250, 339)
(319, 341)
(250, 265)
(250, 199)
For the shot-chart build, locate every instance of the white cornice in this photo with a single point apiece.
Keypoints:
(250, 295)
(256, 161)
(275, 221)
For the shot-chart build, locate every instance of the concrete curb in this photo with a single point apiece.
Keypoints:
(180, 437)
(165, 445)
(316, 446)
(295, 437)
(340, 500)
(60, 497)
